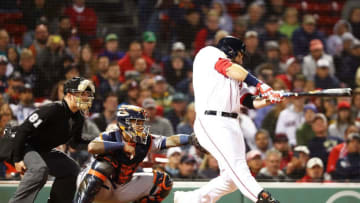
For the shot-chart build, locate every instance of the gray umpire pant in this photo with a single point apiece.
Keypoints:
(39, 166)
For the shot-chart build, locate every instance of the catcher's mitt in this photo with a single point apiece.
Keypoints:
(196, 144)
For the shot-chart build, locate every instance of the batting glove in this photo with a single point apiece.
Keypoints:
(275, 96)
(264, 89)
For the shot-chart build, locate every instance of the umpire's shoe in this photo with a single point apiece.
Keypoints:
(265, 197)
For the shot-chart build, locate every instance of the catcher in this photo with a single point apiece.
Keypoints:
(111, 176)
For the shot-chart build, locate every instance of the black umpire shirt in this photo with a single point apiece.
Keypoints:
(51, 125)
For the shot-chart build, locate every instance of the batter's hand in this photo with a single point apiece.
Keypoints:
(275, 96)
(264, 90)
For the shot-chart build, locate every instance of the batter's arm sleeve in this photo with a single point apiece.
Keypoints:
(228, 69)
(31, 124)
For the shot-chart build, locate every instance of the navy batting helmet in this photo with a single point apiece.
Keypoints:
(231, 46)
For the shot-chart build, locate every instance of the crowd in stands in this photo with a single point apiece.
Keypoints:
(293, 45)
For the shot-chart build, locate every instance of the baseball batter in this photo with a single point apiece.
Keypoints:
(220, 86)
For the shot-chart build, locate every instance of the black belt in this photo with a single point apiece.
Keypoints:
(224, 114)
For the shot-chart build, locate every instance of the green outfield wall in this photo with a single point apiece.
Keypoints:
(285, 192)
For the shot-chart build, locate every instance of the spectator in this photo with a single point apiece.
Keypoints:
(26, 104)
(128, 61)
(111, 48)
(303, 35)
(321, 144)
(290, 23)
(263, 142)
(3, 77)
(254, 57)
(113, 74)
(186, 126)
(281, 144)
(354, 20)
(177, 71)
(161, 92)
(108, 116)
(159, 125)
(290, 119)
(206, 35)
(286, 52)
(239, 28)
(254, 161)
(187, 168)
(34, 12)
(272, 52)
(271, 31)
(348, 167)
(310, 61)
(209, 167)
(305, 133)
(190, 23)
(292, 68)
(73, 47)
(30, 73)
(143, 94)
(129, 92)
(174, 155)
(271, 172)
(13, 57)
(300, 82)
(15, 83)
(275, 8)
(57, 93)
(71, 71)
(314, 171)
(340, 150)
(87, 62)
(350, 65)
(149, 45)
(4, 41)
(347, 40)
(342, 122)
(178, 109)
(64, 28)
(7, 117)
(323, 79)
(271, 118)
(334, 42)
(355, 105)
(225, 21)
(254, 17)
(41, 39)
(102, 68)
(50, 61)
(296, 168)
(83, 18)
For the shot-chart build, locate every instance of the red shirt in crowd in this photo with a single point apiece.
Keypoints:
(308, 179)
(339, 151)
(85, 21)
(125, 64)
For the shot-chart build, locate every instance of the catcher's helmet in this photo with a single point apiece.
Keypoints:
(231, 46)
(131, 120)
(86, 89)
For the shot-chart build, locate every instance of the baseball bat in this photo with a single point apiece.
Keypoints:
(336, 92)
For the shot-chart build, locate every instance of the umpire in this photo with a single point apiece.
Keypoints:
(48, 127)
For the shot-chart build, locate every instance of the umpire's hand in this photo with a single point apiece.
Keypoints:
(20, 167)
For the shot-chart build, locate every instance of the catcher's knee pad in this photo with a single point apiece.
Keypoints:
(160, 190)
(93, 182)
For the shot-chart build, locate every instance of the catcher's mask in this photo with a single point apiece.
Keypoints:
(131, 121)
(83, 90)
